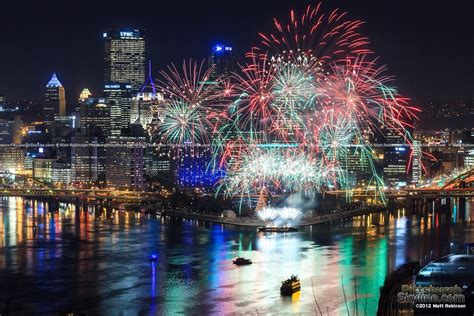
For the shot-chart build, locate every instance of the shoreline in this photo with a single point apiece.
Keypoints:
(256, 223)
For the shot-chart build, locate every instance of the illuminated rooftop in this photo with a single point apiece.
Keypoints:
(84, 94)
(54, 82)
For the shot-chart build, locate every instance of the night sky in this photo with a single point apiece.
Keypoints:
(427, 45)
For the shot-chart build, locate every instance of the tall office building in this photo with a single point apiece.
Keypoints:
(416, 168)
(395, 159)
(144, 101)
(223, 60)
(61, 131)
(88, 161)
(118, 98)
(125, 57)
(94, 113)
(55, 100)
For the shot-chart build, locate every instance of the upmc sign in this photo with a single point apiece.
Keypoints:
(126, 34)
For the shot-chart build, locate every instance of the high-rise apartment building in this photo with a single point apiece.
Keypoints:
(54, 100)
(124, 57)
(125, 162)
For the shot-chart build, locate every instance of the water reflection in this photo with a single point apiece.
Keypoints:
(66, 257)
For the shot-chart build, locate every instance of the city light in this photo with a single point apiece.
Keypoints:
(287, 170)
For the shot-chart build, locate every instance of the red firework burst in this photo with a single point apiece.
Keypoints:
(317, 34)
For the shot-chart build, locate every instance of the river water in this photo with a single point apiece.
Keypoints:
(85, 259)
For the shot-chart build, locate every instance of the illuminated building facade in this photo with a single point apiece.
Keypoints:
(61, 173)
(42, 168)
(142, 105)
(85, 94)
(124, 57)
(357, 167)
(10, 129)
(192, 170)
(125, 162)
(469, 159)
(223, 60)
(12, 159)
(395, 159)
(88, 161)
(157, 163)
(61, 131)
(417, 163)
(95, 114)
(118, 98)
(144, 101)
(55, 100)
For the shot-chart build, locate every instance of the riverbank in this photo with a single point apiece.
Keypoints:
(238, 221)
(251, 222)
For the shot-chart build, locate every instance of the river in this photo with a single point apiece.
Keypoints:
(85, 259)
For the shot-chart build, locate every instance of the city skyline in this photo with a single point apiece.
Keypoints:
(439, 76)
(154, 174)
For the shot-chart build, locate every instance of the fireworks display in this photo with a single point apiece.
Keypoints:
(191, 102)
(183, 123)
(304, 107)
(281, 216)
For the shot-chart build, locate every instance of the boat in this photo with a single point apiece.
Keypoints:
(277, 229)
(290, 286)
(242, 261)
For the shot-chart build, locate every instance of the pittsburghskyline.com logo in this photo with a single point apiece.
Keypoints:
(432, 297)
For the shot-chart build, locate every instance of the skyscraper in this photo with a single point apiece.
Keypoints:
(395, 158)
(144, 100)
(125, 162)
(55, 100)
(125, 57)
(95, 114)
(118, 97)
(88, 162)
(223, 60)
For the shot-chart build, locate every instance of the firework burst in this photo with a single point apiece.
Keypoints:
(192, 106)
(191, 84)
(315, 34)
(183, 123)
